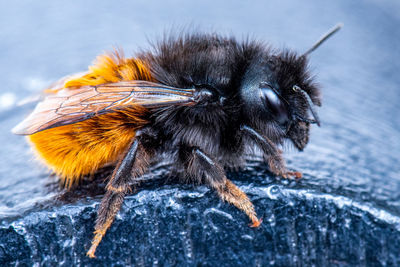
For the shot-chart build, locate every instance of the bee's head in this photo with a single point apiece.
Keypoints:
(279, 89)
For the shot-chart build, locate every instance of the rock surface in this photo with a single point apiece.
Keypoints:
(178, 225)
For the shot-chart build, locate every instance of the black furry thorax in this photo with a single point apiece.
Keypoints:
(229, 73)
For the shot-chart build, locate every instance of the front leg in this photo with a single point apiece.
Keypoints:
(203, 168)
(272, 155)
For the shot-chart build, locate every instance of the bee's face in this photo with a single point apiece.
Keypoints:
(280, 90)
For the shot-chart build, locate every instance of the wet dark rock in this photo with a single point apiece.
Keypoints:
(14, 247)
(170, 225)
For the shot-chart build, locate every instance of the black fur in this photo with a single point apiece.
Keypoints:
(244, 95)
(228, 74)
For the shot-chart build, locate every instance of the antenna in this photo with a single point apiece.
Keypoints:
(323, 39)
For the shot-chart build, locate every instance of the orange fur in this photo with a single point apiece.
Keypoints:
(78, 149)
(112, 68)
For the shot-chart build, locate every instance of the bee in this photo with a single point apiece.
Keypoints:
(199, 99)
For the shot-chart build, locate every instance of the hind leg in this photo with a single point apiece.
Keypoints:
(134, 164)
(199, 166)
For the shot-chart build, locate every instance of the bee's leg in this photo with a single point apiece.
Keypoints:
(134, 163)
(272, 154)
(201, 165)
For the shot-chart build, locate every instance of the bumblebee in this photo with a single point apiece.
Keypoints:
(198, 99)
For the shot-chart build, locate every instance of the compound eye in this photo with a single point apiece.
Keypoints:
(273, 103)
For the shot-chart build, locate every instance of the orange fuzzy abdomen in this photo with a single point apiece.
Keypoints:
(81, 148)
(78, 149)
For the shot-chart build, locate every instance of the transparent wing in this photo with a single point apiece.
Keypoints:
(52, 89)
(68, 106)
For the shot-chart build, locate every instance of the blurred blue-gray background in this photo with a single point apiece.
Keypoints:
(355, 154)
